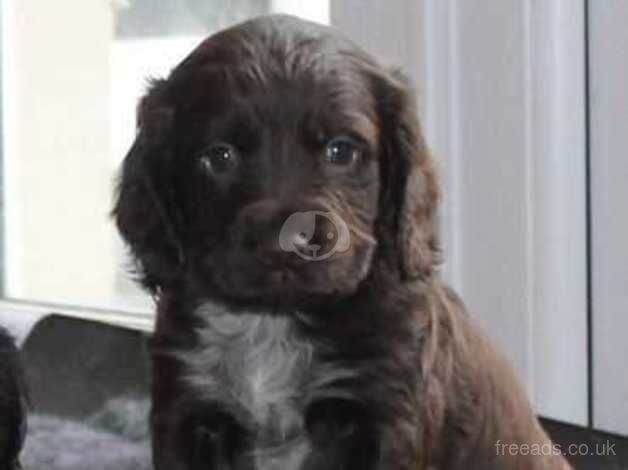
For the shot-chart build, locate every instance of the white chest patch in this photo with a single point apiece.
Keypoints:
(258, 362)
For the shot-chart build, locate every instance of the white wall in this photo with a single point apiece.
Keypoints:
(57, 185)
(609, 184)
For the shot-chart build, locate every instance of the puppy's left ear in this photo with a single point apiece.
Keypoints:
(409, 182)
(145, 209)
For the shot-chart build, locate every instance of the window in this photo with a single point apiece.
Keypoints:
(70, 83)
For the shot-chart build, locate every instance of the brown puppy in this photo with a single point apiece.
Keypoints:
(279, 201)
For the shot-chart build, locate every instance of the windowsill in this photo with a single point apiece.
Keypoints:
(139, 320)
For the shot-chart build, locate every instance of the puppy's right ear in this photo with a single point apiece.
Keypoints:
(145, 209)
(410, 188)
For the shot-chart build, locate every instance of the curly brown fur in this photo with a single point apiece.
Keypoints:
(263, 360)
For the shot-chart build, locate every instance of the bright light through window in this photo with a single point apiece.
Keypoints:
(70, 83)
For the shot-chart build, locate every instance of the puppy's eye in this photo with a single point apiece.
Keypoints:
(219, 158)
(342, 151)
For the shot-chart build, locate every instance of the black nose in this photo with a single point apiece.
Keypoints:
(284, 233)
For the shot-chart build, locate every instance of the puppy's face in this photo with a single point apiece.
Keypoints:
(278, 184)
(264, 171)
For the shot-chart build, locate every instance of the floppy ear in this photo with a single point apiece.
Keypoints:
(145, 210)
(410, 185)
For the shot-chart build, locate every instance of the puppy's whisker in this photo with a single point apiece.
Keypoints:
(362, 234)
(352, 217)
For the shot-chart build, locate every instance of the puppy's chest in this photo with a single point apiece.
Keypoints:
(258, 363)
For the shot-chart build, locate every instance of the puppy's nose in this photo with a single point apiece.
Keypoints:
(278, 233)
(258, 227)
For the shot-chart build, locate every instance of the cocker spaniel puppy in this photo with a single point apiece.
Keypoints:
(12, 404)
(279, 200)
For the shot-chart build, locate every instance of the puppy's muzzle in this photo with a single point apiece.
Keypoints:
(289, 234)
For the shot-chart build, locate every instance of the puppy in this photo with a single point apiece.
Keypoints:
(280, 203)
(12, 401)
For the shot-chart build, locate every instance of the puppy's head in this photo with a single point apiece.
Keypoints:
(278, 163)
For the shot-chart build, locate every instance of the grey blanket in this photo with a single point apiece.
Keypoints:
(116, 438)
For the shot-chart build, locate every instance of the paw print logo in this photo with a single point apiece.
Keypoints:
(314, 235)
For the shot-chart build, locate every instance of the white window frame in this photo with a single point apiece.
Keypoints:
(518, 256)
(609, 216)
(533, 304)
